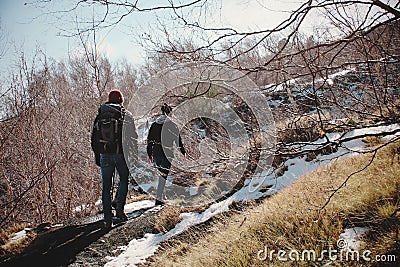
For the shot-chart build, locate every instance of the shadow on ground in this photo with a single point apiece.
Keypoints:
(58, 247)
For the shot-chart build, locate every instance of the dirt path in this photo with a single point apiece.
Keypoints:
(85, 244)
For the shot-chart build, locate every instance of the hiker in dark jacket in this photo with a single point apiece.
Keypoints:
(162, 134)
(107, 145)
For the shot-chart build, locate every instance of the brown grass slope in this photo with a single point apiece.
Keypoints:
(293, 219)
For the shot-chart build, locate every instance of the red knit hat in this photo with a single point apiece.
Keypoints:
(115, 96)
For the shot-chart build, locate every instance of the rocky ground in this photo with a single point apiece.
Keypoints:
(108, 245)
(86, 244)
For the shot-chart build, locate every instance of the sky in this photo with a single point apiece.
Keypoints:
(25, 27)
(28, 27)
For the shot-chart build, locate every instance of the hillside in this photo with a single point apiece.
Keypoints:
(283, 124)
(178, 233)
(311, 214)
(362, 191)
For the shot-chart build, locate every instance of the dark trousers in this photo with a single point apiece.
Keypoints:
(109, 163)
(163, 166)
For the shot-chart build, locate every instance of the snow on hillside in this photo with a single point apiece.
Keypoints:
(139, 249)
(281, 87)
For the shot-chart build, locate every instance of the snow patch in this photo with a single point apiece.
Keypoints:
(134, 206)
(139, 249)
(17, 237)
(351, 237)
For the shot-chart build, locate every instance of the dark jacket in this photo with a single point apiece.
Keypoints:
(170, 134)
(126, 125)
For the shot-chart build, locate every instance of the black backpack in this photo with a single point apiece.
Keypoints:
(109, 127)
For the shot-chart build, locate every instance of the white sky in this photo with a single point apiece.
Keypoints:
(26, 30)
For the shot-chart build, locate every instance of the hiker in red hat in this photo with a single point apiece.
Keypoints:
(115, 96)
(107, 143)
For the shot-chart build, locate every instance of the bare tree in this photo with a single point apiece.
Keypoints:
(365, 35)
(47, 168)
(3, 41)
(363, 42)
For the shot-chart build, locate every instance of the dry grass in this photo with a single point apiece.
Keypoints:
(292, 218)
(14, 248)
(372, 141)
(17, 247)
(167, 219)
(304, 128)
(5, 235)
(137, 197)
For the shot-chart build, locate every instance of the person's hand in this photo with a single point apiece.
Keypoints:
(150, 159)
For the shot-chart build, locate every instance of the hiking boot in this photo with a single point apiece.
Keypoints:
(159, 202)
(121, 215)
(114, 204)
(107, 225)
(139, 190)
